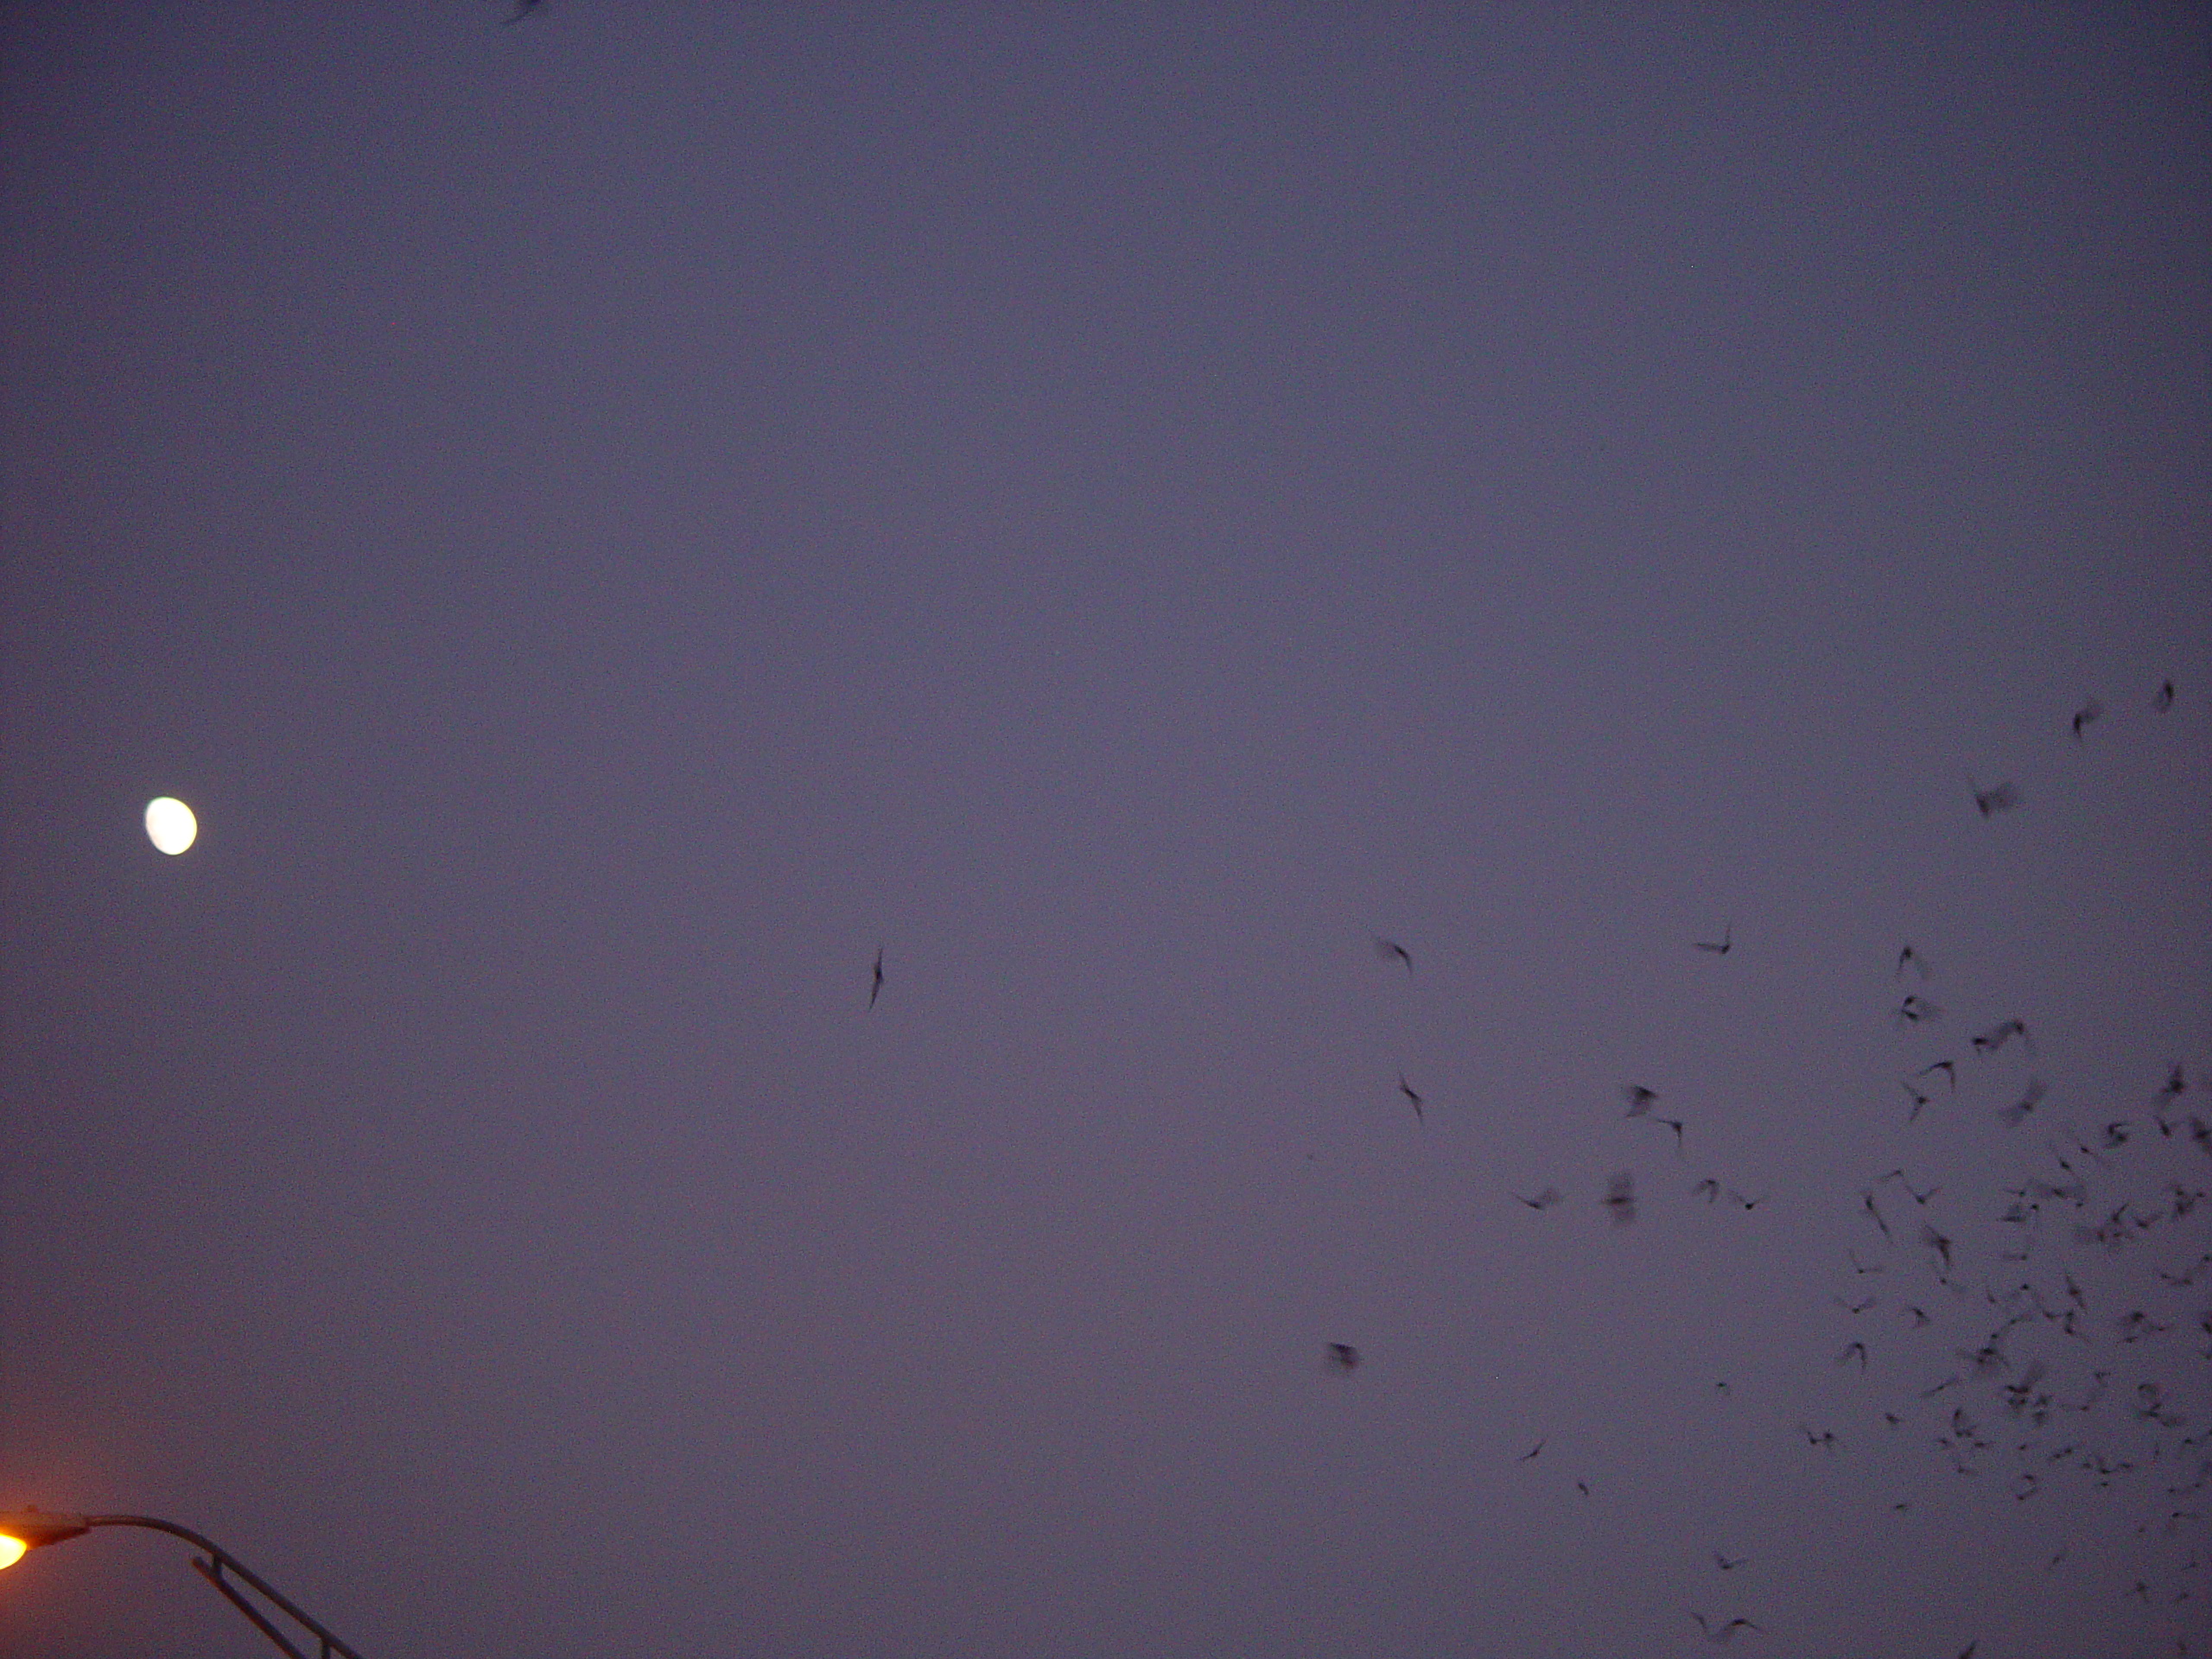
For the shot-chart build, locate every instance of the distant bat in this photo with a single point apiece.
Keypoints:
(1866, 1203)
(1949, 1068)
(1935, 1241)
(1857, 1266)
(1677, 1126)
(1620, 1198)
(1640, 1099)
(1746, 1203)
(1727, 942)
(1909, 955)
(1857, 1307)
(1727, 1565)
(2165, 700)
(1526, 1456)
(1543, 1200)
(1919, 1101)
(2014, 1114)
(1412, 1095)
(1708, 1189)
(2089, 715)
(1389, 949)
(1989, 802)
(1917, 1011)
(2001, 1034)
(1856, 1350)
(875, 985)
(523, 8)
(1343, 1356)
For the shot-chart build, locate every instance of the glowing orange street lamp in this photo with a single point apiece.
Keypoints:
(25, 1530)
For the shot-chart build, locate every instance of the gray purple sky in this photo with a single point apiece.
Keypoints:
(611, 519)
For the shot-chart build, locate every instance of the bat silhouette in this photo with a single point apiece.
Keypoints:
(1620, 1198)
(2089, 715)
(1543, 1200)
(1989, 802)
(2165, 700)
(1727, 942)
(1388, 948)
(1408, 1091)
(875, 985)
(1640, 1099)
(1720, 1636)
(2019, 1110)
(1343, 1356)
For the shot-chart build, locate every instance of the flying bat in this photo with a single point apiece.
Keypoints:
(2014, 1114)
(1620, 1198)
(1343, 1356)
(875, 985)
(1389, 949)
(2165, 700)
(1640, 1099)
(2089, 715)
(1727, 942)
(1543, 1200)
(1407, 1091)
(1720, 1637)
(1989, 802)
(1909, 955)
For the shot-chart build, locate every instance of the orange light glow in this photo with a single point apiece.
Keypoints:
(12, 1550)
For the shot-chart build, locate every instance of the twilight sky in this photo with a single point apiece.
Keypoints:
(612, 519)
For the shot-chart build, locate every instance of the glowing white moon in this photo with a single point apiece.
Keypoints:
(170, 825)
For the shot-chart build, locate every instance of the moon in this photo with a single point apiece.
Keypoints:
(170, 825)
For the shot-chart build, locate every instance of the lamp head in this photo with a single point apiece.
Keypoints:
(24, 1530)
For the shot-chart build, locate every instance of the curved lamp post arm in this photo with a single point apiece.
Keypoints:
(220, 1568)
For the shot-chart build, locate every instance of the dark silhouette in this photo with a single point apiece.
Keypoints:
(1989, 802)
(1620, 1198)
(875, 985)
(1909, 955)
(1543, 1200)
(1720, 1637)
(2165, 700)
(2019, 1110)
(1640, 1099)
(2088, 715)
(1727, 941)
(1388, 948)
(1406, 1090)
(1343, 1356)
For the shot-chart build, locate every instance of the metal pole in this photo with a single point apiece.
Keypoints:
(220, 1561)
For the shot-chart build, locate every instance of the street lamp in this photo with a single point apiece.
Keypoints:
(25, 1530)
